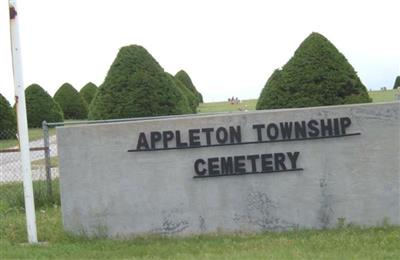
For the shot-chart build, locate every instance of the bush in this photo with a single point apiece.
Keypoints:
(317, 75)
(88, 91)
(137, 86)
(40, 106)
(183, 77)
(8, 123)
(189, 96)
(71, 103)
(396, 82)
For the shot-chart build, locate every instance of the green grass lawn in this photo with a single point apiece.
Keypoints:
(340, 243)
(383, 96)
(12, 195)
(250, 104)
(225, 106)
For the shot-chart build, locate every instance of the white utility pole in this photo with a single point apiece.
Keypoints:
(22, 123)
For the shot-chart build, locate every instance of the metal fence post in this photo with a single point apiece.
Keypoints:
(46, 144)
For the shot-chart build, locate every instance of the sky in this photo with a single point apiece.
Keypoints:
(229, 48)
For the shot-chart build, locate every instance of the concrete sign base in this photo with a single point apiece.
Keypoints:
(248, 171)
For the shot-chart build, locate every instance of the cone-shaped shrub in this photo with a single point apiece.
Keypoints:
(187, 81)
(274, 81)
(88, 91)
(317, 75)
(71, 103)
(40, 106)
(396, 82)
(136, 86)
(189, 96)
(8, 124)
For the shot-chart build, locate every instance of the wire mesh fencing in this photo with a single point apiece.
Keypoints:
(11, 179)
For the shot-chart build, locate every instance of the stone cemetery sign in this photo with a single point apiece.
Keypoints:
(277, 170)
(232, 135)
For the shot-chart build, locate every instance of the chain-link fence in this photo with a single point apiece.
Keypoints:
(11, 186)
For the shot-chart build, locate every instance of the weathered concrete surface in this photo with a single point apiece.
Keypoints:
(106, 190)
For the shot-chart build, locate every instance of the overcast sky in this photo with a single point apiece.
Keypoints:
(229, 48)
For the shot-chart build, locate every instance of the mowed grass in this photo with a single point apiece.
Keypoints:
(340, 243)
(383, 96)
(250, 104)
(225, 106)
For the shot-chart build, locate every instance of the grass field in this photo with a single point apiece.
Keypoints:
(225, 106)
(250, 104)
(383, 96)
(12, 195)
(340, 243)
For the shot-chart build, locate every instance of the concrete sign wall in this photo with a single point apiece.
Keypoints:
(253, 171)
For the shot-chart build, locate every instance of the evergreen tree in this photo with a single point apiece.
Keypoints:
(88, 91)
(8, 124)
(71, 103)
(189, 96)
(40, 106)
(317, 75)
(276, 97)
(137, 86)
(396, 82)
(187, 81)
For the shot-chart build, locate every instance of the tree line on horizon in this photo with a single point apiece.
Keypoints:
(137, 86)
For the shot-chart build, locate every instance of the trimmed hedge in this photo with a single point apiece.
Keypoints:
(71, 103)
(8, 123)
(267, 96)
(396, 82)
(189, 96)
(187, 81)
(317, 75)
(41, 106)
(88, 92)
(137, 86)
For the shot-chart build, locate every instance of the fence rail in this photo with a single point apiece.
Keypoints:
(17, 149)
(11, 179)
